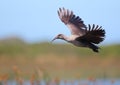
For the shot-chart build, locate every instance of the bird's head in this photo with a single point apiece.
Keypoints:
(59, 36)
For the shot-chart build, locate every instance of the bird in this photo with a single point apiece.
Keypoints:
(82, 35)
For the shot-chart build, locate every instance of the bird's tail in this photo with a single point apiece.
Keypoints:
(94, 47)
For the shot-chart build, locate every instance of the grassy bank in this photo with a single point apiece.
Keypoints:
(58, 60)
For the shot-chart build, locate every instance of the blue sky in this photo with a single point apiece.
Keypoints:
(37, 20)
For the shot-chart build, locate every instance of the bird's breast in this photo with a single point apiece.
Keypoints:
(73, 37)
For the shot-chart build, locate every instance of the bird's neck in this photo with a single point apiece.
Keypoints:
(66, 38)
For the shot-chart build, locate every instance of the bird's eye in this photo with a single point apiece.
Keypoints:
(59, 35)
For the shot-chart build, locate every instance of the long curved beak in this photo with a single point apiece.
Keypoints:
(54, 39)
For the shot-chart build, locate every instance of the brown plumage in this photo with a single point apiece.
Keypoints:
(94, 35)
(81, 35)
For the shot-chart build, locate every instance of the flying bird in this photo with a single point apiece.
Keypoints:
(81, 35)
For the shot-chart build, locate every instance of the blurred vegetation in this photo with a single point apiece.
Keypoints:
(58, 60)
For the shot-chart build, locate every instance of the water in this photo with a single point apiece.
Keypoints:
(68, 82)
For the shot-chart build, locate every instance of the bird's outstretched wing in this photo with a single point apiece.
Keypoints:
(74, 23)
(94, 34)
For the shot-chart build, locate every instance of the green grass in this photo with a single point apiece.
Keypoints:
(62, 60)
(58, 49)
